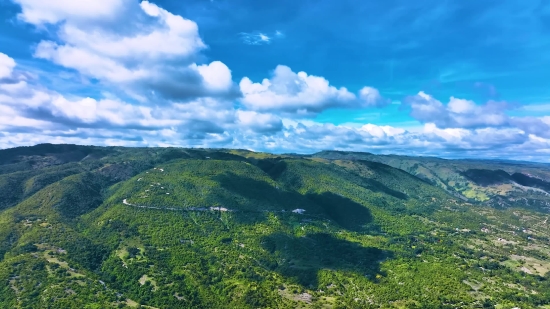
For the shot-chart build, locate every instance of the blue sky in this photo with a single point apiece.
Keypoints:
(430, 77)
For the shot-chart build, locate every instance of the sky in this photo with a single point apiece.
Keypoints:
(454, 79)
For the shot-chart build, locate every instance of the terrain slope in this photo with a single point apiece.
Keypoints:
(114, 227)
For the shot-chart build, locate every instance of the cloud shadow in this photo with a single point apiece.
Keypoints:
(303, 257)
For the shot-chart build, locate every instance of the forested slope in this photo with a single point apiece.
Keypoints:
(496, 183)
(93, 227)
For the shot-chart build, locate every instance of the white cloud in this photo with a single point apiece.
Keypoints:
(153, 54)
(371, 97)
(259, 38)
(382, 131)
(9, 117)
(258, 122)
(264, 38)
(30, 114)
(139, 47)
(27, 108)
(458, 113)
(39, 12)
(6, 65)
(460, 106)
(26, 105)
(216, 75)
(461, 115)
(170, 36)
(89, 63)
(301, 93)
(431, 140)
(533, 125)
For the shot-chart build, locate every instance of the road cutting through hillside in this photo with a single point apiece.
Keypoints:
(222, 209)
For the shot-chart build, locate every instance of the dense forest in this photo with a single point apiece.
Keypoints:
(114, 227)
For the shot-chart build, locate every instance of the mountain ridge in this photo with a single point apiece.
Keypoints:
(94, 227)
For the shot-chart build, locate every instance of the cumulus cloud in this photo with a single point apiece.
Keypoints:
(382, 131)
(259, 122)
(533, 125)
(139, 47)
(6, 65)
(54, 110)
(481, 139)
(216, 76)
(303, 94)
(370, 97)
(29, 108)
(30, 113)
(155, 57)
(458, 113)
(307, 137)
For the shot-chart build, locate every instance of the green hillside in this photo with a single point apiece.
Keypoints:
(113, 227)
(496, 183)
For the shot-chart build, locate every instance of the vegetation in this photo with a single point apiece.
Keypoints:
(93, 227)
(501, 184)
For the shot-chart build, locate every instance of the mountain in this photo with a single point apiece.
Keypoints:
(115, 227)
(496, 183)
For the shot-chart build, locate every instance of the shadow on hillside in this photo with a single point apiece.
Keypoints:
(55, 154)
(345, 212)
(257, 197)
(79, 194)
(486, 178)
(303, 257)
(533, 182)
(274, 167)
(377, 186)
